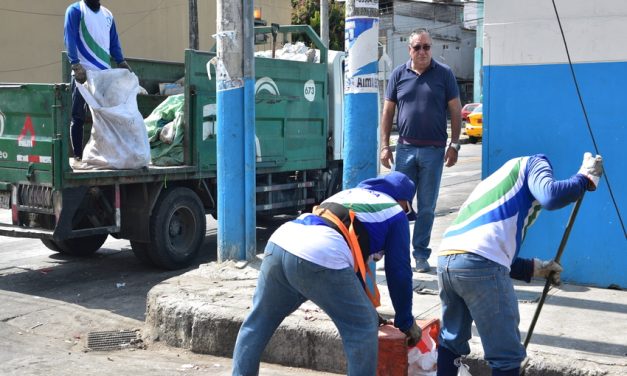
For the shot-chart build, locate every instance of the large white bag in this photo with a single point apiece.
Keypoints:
(118, 136)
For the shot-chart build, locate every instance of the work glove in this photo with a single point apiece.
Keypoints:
(124, 64)
(80, 75)
(546, 269)
(383, 321)
(414, 334)
(592, 168)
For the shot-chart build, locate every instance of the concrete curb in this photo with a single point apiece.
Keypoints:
(203, 309)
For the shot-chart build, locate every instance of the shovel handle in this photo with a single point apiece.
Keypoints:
(547, 285)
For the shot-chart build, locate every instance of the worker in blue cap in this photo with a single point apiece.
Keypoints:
(323, 257)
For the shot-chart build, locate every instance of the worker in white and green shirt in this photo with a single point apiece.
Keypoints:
(91, 40)
(479, 256)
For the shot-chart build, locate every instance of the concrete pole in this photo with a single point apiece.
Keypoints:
(193, 24)
(477, 88)
(235, 130)
(324, 22)
(361, 91)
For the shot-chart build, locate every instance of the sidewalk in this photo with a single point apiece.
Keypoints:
(581, 330)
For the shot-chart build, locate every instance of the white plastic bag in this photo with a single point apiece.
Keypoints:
(423, 358)
(463, 369)
(118, 135)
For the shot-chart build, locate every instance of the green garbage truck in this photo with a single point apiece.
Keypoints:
(161, 209)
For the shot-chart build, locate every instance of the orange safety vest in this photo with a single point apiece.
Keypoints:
(361, 267)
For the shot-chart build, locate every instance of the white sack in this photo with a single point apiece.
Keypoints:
(423, 363)
(118, 136)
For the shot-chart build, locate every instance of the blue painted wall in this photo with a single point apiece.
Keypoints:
(532, 109)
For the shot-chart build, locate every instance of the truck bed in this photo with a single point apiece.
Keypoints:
(150, 174)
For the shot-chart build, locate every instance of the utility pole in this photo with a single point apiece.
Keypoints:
(235, 86)
(193, 24)
(324, 22)
(361, 91)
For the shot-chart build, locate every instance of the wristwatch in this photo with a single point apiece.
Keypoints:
(454, 145)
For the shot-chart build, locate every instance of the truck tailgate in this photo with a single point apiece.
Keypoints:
(30, 117)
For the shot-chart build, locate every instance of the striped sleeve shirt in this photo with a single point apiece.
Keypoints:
(388, 233)
(494, 220)
(91, 37)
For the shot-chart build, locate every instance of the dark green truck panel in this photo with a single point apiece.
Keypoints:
(30, 133)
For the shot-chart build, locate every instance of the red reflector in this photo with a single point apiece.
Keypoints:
(14, 215)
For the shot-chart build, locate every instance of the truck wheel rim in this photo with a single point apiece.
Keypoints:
(181, 230)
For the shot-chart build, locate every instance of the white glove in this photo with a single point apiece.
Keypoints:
(543, 268)
(592, 168)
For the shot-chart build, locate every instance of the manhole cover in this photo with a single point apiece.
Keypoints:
(112, 340)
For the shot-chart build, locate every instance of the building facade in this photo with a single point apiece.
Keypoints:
(453, 39)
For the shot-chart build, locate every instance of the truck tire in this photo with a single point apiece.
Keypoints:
(51, 245)
(81, 247)
(177, 228)
(141, 250)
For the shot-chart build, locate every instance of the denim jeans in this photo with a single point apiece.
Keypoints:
(423, 165)
(475, 288)
(78, 119)
(285, 282)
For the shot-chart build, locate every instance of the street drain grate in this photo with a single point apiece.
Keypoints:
(111, 340)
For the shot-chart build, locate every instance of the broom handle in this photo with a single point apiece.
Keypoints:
(547, 285)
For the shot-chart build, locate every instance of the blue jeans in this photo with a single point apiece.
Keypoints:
(423, 165)
(475, 288)
(287, 281)
(79, 109)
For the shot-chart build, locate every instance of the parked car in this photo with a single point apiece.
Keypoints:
(474, 125)
(467, 109)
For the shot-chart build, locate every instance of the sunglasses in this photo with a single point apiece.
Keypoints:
(425, 47)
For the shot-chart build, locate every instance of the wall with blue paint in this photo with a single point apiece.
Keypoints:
(531, 106)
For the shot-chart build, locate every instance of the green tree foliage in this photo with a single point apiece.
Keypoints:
(307, 12)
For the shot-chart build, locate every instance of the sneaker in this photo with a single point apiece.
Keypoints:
(422, 265)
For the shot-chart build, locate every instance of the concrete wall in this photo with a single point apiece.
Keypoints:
(31, 32)
(531, 106)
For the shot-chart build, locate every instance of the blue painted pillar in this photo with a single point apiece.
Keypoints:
(361, 88)
(235, 131)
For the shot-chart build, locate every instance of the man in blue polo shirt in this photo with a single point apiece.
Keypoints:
(423, 90)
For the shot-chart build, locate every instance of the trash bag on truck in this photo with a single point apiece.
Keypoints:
(165, 131)
(118, 135)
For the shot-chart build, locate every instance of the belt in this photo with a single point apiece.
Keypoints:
(451, 252)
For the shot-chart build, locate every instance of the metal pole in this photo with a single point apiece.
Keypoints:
(324, 22)
(361, 91)
(547, 285)
(235, 130)
(193, 24)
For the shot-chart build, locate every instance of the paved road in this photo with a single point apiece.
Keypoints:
(50, 302)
